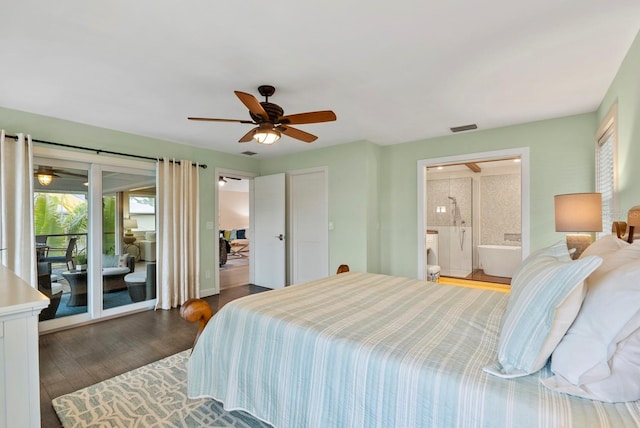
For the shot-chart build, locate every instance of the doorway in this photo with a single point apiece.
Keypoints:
(472, 203)
(233, 220)
(307, 240)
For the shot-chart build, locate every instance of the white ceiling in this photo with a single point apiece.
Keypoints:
(393, 72)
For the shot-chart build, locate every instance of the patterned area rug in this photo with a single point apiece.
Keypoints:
(150, 396)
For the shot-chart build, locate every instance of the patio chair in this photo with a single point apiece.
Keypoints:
(67, 258)
(45, 287)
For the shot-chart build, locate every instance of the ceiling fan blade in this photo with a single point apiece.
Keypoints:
(310, 117)
(297, 134)
(73, 174)
(37, 173)
(212, 119)
(248, 136)
(252, 104)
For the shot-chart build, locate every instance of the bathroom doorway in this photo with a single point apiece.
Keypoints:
(476, 205)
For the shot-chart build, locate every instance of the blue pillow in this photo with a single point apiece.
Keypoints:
(110, 260)
(240, 234)
(546, 293)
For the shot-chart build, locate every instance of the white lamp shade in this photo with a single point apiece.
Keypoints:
(578, 212)
(130, 223)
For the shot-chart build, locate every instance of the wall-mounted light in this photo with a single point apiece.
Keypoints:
(221, 181)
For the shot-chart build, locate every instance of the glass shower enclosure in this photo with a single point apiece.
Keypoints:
(449, 213)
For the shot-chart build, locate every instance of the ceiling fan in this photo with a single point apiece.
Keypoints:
(46, 174)
(271, 123)
(223, 180)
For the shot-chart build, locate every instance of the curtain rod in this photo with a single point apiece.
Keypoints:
(98, 151)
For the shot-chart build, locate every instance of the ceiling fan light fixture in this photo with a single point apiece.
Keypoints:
(44, 179)
(221, 181)
(266, 136)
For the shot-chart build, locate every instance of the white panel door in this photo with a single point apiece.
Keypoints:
(268, 246)
(309, 238)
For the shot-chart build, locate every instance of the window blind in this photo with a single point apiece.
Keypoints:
(605, 176)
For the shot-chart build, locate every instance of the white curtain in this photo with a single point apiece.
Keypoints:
(17, 238)
(178, 235)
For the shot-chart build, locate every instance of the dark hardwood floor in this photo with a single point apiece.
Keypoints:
(75, 358)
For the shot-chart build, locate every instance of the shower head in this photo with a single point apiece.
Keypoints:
(452, 198)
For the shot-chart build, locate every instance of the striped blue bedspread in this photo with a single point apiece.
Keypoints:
(367, 350)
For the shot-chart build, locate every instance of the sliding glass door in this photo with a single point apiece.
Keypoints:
(95, 237)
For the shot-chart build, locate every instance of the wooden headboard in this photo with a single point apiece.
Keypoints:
(627, 229)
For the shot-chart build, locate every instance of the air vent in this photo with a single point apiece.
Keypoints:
(248, 153)
(464, 128)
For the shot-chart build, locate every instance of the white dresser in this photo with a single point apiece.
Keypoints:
(20, 305)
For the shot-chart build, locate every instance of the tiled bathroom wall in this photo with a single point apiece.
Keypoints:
(500, 213)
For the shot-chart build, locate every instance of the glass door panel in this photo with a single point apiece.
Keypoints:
(61, 228)
(128, 238)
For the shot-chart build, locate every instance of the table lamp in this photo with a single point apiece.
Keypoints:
(578, 212)
(128, 224)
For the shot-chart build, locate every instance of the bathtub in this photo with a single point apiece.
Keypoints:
(499, 260)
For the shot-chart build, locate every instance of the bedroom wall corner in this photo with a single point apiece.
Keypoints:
(625, 90)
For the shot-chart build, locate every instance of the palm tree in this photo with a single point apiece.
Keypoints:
(109, 224)
(60, 214)
(47, 219)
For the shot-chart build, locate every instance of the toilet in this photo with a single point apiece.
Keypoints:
(433, 269)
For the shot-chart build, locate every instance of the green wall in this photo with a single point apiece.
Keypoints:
(373, 189)
(353, 190)
(625, 90)
(561, 155)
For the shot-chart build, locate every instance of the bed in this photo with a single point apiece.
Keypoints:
(369, 350)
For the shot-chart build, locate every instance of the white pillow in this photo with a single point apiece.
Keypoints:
(614, 252)
(122, 260)
(606, 245)
(546, 293)
(623, 383)
(610, 313)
